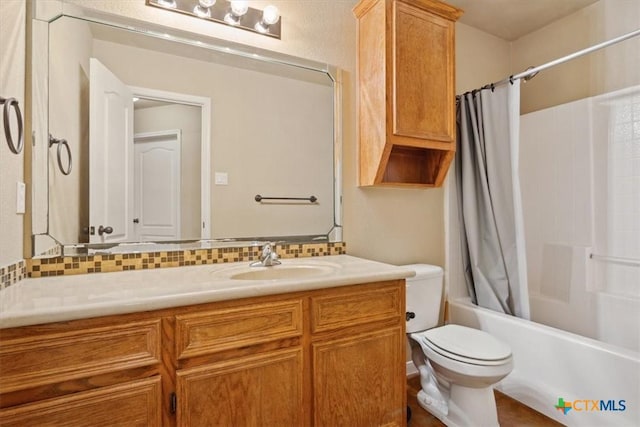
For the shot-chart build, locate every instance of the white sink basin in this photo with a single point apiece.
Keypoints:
(283, 272)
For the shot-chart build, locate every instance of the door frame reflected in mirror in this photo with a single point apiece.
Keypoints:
(204, 104)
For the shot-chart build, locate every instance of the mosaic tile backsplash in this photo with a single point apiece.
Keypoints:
(59, 266)
(13, 273)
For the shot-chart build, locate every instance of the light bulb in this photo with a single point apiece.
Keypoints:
(270, 15)
(206, 3)
(231, 19)
(239, 7)
(202, 12)
(171, 4)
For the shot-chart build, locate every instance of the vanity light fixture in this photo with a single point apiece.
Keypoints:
(236, 13)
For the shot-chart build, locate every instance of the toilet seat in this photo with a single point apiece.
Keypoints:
(466, 345)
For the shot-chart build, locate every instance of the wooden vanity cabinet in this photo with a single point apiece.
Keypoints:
(324, 358)
(85, 373)
(241, 364)
(261, 390)
(406, 91)
(358, 356)
(134, 403)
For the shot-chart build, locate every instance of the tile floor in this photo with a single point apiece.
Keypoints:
(511, 413)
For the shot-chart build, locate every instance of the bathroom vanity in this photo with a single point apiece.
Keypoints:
(322, 343)
(312, 342)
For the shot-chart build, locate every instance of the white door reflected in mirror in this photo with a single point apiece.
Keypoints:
(136, 182)
(110, 156)
(157, 174)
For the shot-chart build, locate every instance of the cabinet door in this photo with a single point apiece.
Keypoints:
(263, 390)
(359, 381)
(136, 403)
(423, 64)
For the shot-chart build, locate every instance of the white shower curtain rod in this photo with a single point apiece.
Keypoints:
(531, 72)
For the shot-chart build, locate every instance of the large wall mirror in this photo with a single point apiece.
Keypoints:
(147, 134)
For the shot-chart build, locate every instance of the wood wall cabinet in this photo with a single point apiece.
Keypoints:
(406, 91)
(324, 358)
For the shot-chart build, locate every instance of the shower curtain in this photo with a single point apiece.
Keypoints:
(489, 203)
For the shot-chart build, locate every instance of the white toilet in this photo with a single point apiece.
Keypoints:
(458, 365)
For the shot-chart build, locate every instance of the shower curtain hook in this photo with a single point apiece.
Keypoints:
(511, 79)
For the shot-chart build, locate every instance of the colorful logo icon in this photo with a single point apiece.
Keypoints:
(563, 406)
(591, 405)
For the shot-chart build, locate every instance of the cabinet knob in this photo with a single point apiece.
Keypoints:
(105, 230)
(410, 315)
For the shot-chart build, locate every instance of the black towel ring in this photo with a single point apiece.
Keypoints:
(14, 146)
(62, 143)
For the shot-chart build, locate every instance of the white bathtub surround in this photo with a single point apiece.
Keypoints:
(580, 171)
(551, 364)
(567, 170)
(53, 299)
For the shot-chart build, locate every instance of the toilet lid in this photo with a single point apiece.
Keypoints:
(466, 343)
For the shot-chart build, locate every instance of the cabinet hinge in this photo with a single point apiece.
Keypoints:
(173, 403)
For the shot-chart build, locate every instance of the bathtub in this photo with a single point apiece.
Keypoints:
(552, 364)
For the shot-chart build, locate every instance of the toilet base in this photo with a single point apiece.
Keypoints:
(468, 407)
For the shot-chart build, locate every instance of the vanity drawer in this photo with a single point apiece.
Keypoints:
(44, 358)
(227, 328)
(134, 403)
(366, 304)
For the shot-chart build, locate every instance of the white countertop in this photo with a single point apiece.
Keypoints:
(61, 298)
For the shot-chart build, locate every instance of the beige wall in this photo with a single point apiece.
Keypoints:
(604, 71)
(12, 73)
(481, 58)
(69, 119)
(273, 148)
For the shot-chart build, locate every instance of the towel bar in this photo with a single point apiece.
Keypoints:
(260, 198)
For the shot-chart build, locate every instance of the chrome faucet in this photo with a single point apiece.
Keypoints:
(268, 258)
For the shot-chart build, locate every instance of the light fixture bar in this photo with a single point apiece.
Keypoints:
(221, 13)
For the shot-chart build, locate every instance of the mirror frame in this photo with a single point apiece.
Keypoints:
(41, 15)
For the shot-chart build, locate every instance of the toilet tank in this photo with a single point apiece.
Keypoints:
(424, 296)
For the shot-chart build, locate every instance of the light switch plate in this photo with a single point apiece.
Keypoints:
(221, 178)
(21, 190)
